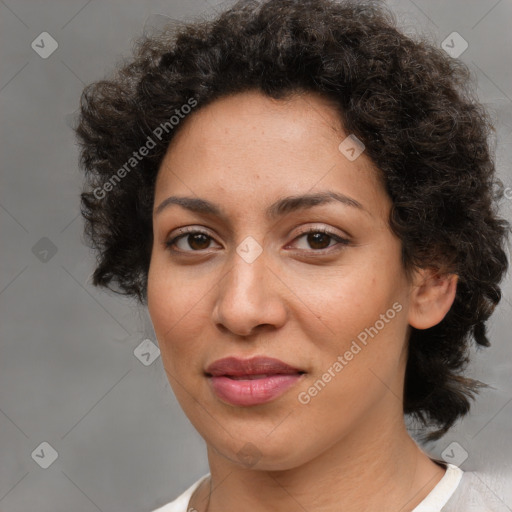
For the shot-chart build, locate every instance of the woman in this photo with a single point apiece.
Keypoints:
(304, 198)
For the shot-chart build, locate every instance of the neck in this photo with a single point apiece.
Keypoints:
(377, 467)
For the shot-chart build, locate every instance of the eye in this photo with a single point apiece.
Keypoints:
(319, 239)
(195, 239)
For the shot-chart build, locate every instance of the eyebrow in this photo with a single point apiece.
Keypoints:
(280, 208)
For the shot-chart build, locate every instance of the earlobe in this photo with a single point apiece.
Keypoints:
(431, 298)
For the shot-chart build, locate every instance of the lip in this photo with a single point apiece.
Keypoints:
(254, 381)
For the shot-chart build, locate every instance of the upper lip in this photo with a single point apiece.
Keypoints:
(259, 365)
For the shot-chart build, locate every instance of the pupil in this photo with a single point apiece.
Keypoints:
(316, 238)
(202, 238)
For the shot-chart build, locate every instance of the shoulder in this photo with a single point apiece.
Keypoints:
(474, 494)
(180, 504)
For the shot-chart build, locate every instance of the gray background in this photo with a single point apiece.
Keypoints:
(68, 373)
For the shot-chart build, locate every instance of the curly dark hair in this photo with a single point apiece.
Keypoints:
(409, 102)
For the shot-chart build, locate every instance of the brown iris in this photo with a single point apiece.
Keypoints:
(315, 239)
(198, 241)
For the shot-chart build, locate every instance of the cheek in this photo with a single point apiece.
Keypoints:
(362, 313)
(351, 298)
(357, 370)
(174, 304)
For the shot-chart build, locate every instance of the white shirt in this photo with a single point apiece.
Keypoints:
(457, 491)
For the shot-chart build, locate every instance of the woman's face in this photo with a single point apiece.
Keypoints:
(262, 279)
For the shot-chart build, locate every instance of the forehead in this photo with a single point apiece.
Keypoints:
(253, 114)
(251, 145)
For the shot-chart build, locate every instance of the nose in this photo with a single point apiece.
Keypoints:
(249, 298)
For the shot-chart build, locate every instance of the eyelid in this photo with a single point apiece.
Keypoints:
(341, 240)
(190, 229)
(322, 229)
(183, 232)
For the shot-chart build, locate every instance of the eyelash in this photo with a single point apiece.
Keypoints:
(194, 231)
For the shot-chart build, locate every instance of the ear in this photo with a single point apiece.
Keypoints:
(432, 296)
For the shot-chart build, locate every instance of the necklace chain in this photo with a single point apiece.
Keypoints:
(209, 496)
(192, 509)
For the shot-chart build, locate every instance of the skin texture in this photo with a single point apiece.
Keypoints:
(347, 449)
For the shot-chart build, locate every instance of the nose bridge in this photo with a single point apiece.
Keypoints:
(247, 295)
(246, 282)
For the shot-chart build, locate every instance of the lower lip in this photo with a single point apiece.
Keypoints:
(252, 392)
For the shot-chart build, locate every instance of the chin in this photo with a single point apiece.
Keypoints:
(261, 453)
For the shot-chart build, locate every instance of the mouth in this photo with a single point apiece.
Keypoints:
(246, 382)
